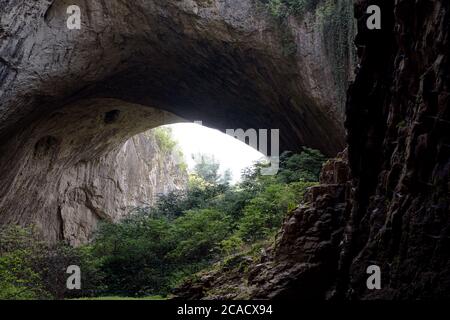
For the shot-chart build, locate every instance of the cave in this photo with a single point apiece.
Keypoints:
(94, 88)
(71, 98)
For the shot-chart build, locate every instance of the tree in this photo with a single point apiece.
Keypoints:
(31, 269)
(207, 167)
(164, 139)
(226, 177)
(305, 166)
(133, 255)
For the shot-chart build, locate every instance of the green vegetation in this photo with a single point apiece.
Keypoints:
(207, 168)
(160, 246)
(168, 145)
(164, 139)
(281, 10)
(31, 269)
(112, 298)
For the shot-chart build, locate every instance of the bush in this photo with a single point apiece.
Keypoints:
(264, 214)
(31, 269)
(159, 246)
(132, 254)
(305, 167)
(18, 280)
(164, 139)
(198, 234)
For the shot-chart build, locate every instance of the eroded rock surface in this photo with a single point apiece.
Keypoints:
(397, 213)
(69, 99)
(398, 123)
(82, 164)
(304, 261)
(228, 63)
(110, 187)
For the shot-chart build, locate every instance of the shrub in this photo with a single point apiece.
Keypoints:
(159, 246)
(164, 139)
(31, 269)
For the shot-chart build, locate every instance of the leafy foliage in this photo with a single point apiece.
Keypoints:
(207, 168)
(164, 139)
(305, 166)
(159, 246)
(187, 231)
(31, 269)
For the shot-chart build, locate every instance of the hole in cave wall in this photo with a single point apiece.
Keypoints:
(112, 116)
(46, 147)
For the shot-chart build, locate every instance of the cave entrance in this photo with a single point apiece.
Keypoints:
(229, 65)
(228, 152)
(71, 99)
(200, 202)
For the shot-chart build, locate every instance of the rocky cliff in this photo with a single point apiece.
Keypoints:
(110, 187)
(388, 203)
(398, 124)
(71, 174)
(71, 98)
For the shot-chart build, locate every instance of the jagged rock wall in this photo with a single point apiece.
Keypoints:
(398, 123)
(110, 187)
(394, 209)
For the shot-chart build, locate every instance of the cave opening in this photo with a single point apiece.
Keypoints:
(72, 99)
(191, 199)
(76, 107)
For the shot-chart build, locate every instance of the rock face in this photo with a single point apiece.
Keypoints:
(64, 176)
(227, 63)
(394, 212)
(304, 261)
(398, 123)
(70, 99)
(110, 187)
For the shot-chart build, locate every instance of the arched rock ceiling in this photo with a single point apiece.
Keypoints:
(70, 98)
(223, 62)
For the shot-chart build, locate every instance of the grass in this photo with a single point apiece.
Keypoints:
(112, 298)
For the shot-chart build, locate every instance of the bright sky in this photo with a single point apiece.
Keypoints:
(230, 152)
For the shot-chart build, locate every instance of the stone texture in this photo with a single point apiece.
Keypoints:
(110, 187)
(223, 62)
(304, 261)
(82, 164)
(394, 211)
(398, 132)
(71, 98)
